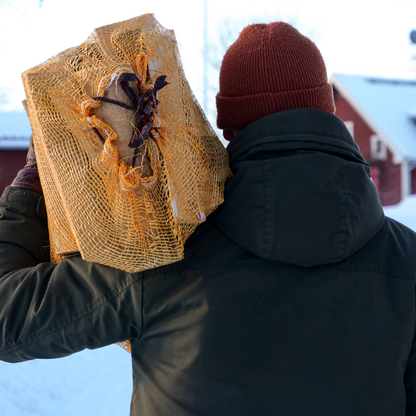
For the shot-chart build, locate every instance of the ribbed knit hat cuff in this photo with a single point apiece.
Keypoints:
(239, 112)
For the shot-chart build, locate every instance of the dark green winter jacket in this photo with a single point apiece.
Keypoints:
(296, 297)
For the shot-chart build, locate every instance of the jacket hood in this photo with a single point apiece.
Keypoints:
(301, 192)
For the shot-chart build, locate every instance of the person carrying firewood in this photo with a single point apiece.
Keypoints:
(296, 296)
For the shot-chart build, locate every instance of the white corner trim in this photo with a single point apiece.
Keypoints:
(405, 179)
(352, 101)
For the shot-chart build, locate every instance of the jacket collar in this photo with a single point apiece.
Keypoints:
(301, 191)
(288, 130)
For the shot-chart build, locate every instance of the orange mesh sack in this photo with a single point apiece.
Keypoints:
(128, 162)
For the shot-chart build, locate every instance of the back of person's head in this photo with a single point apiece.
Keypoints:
(270, 68)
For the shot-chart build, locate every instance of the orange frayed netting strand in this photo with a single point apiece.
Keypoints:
(129, 164)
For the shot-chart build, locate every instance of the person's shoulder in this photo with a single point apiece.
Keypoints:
(390, 253)
(400, 230)
(398, 245)
(206, 248)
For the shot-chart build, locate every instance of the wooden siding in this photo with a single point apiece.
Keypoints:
(389, 174)
(413, 181)
(11, 161)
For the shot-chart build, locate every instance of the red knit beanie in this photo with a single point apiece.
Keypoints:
(270, 68)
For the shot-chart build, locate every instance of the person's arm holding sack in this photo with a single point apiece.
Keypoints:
(23, 218)
(52, 310)
(128, 171)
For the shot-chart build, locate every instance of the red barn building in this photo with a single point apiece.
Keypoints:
(381, 116)
(15, 134)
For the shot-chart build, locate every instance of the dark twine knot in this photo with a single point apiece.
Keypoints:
(143, 105)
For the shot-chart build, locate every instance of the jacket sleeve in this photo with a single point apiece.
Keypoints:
(53, 310)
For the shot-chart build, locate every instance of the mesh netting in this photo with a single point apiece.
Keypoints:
(129, 165)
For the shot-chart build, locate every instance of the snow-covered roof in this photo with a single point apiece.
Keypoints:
(388, 106)
(15, 130)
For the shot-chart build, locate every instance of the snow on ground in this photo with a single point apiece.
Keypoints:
(88, 383)
(404, 212)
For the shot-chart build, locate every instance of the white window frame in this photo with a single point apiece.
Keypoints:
(378, 148)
